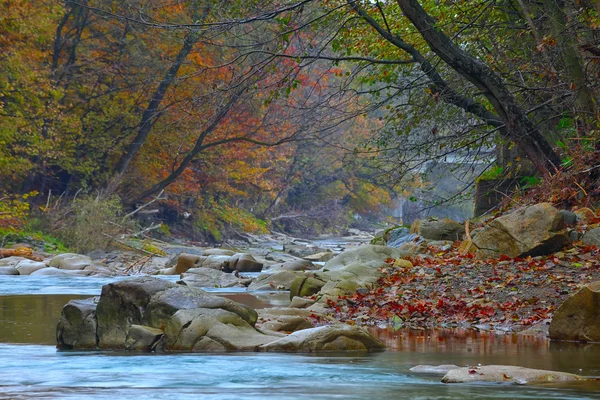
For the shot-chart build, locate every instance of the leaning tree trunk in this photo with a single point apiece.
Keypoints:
(519, 128)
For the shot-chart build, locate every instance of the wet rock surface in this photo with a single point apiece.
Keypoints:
(506, 374)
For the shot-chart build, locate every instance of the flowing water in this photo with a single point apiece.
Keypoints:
(31, 367)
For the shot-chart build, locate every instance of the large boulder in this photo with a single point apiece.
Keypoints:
(529, 231)
(185, 262)
(592, 237)
(219, 262)
(27, 267)
(352, 270)
(506, 373)
(243, 262)
(212, 278)
(444, 229)
(77, 325)
(148, 313)
(71, 261)
(123, 304)
(370, 256)
(11, 261)
(305, 286)
(8, 271)
(578, 318)
(330, 338)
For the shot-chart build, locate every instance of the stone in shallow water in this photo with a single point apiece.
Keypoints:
(506, 373)
(27, 267)
(9, 271)
(330, 338)
(77, 325)
(144, 338)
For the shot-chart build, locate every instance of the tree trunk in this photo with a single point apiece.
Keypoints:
(570, 57)
(519, 128)
(151, 112)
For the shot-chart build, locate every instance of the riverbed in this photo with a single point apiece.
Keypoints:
(32, 368)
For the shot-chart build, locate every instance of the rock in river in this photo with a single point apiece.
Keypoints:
(147, 313)
(326, 339)
(506, 373)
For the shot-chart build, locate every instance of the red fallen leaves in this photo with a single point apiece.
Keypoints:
(453, 290)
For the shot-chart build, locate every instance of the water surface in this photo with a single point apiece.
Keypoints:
(29, 310)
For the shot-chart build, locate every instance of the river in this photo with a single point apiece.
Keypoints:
(32, 368)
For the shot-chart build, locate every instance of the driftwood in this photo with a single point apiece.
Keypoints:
(24, 252)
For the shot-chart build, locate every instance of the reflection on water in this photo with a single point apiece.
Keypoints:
(469, 347)
(31, 319)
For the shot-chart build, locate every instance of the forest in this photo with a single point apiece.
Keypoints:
(310, 116)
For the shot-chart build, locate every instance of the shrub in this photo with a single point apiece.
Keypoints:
(90, 222)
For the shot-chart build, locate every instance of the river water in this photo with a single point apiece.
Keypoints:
(31, 367)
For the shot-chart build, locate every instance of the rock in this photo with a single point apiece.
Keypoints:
(99, 270)
(71, 261)
(578, 317)
(131, 313)
(9, 271)
(352, 270)
(27, 267)
(539, 329)
(445, 229)
(11, 261)
(143, 338)
(283, 323)
(323, 256)
(410, 238)
(218, 252)
(529, 231)
(301, 250)
(506, 373)
(371, 256)
(123, 304)
(326, 339)
(412, 248)
(592, 237)
(212, 278)
(281, 280)
(186, 261)
(212, 329)
(295, 265)
(51, 271)
(433, 369)
(215, 262)
(303, 286)
(76, 327)
(243, 262)
(301, 302)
